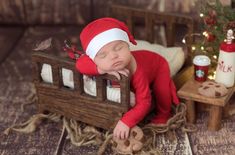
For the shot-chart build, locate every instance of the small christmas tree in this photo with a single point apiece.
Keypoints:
(217, 20)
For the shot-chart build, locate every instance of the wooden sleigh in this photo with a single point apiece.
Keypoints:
(98, 110)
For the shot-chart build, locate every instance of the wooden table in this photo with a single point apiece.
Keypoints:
(189, 92)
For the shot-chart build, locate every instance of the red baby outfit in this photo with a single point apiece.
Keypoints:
(152, 72)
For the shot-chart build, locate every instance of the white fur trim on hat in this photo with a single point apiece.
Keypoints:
(104, 38)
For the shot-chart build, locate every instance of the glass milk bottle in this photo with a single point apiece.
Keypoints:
(225, 71)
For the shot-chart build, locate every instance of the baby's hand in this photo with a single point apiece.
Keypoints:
(115, 73)
(124, 71)
(121, 130)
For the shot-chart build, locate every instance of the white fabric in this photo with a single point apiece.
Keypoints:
(68, 77)
(104, 38)
(174, 55)
(46, 73)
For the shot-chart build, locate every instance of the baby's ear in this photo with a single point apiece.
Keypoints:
(85, 65)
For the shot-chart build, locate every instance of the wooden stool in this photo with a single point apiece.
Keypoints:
(189, 92)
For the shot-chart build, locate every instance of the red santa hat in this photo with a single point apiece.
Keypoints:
(101, 32)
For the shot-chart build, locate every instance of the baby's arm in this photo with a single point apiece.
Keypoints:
(142, 99)
(132, 117)
(140, 109)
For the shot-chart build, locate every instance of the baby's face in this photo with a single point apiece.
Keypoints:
(113, 56)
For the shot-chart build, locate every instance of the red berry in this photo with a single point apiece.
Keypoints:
(210, 37)
(209, 21)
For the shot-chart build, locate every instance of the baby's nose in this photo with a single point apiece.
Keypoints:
(114, 55)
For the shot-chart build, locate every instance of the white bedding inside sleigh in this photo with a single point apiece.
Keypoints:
(174, 56)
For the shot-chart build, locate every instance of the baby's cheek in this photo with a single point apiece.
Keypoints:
(105, 67)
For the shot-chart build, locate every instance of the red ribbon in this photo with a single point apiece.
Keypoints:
(72, 51)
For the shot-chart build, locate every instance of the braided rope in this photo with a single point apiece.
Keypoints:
(175, 122)
(31, 124)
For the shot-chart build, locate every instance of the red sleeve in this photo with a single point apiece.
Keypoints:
(143, 102)
(85, 65)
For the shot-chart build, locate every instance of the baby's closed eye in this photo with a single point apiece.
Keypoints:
(102, 55)
(118, 48)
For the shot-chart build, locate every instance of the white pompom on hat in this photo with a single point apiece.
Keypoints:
(101, 32)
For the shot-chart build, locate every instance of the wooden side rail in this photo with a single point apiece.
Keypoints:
(75, 103)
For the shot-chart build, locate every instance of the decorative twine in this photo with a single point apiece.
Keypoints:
(31, 124)
(108, 138)
(81, 137)
(178, 121)
(175, 122)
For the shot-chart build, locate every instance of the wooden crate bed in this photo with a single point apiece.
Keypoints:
(97, 110)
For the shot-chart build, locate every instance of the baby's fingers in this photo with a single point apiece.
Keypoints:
(126, 135)
(116, 74)
(124, 72)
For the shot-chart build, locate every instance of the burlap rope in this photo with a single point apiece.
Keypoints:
(31, 124)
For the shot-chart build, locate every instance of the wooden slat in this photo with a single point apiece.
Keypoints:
(170, 32)
(78, 82)
(100, 88)
(125, 92)
(56, 76)
(149, 27)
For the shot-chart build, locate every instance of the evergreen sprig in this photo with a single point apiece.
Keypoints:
(217, 20)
